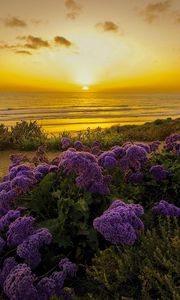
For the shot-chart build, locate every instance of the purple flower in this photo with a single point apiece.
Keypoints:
(68, 267)
(8, 265)
(96, 150)
(43, 168)
(65, 142)
(154, 146)
(18, 285)
(120, 224)
(53, 168)
(136, 153)
(9, 217)
(107, 159)
(173, 138)
(5, 186)
(78, 145)
(6, 199)
(19, 230)
(166, 209)
(46, 288)
(38, 176)
(146, 147)
(88, 172)
(158, 172)
(29, 248)
(22, 183)
(118, 151)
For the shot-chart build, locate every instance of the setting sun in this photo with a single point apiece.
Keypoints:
(85, 88)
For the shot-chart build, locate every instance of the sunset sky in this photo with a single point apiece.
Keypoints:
(67, 45)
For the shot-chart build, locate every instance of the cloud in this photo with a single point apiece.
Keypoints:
(153, 10)
(14, 22)
(108, 26)
(61, 41)
(73, 9)
(24, 52)
(8, 46)
(33, 42)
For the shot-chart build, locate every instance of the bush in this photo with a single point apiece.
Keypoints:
(148, 270)
(5, 137)
(27, 135)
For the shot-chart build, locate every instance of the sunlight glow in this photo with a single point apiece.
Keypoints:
(85, 88)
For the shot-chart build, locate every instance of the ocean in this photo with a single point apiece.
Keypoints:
(77, 111)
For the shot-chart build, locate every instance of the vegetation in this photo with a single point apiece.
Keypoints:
(29, 135)
(55, 233)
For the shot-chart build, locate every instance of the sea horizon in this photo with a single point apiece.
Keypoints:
(59, 111)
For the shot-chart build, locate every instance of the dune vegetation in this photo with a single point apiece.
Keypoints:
(99, 221)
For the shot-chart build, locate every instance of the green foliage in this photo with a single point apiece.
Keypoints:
(27, 135)
(68, 212)
(148, 270)
(5, 137)
(149, 190)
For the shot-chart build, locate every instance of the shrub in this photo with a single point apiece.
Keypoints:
(148, 270)
(27, 135)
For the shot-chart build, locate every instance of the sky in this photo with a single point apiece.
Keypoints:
(71, 45)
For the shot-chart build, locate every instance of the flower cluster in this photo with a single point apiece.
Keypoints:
(135, 158)
(107, 159)
(85, 166)
(65, 143)
(166, 209)
(29, 248)
(158, 172)
(19, 283)
(120, 223)
(172, 143)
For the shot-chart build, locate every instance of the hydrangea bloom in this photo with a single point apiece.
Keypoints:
(120, 223)
(158, 172)
(166, 209)
(19, 230)
(8, 265)
(29, 248)
(18, 285)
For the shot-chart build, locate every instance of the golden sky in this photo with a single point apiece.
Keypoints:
(63, 45)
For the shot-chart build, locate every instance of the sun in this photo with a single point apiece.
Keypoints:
(85, 88)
